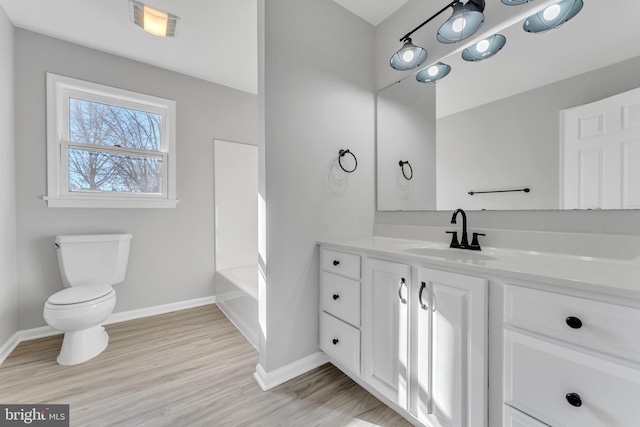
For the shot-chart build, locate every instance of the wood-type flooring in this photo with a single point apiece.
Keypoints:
(185, 368)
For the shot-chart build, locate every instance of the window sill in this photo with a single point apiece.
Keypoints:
(108, 202)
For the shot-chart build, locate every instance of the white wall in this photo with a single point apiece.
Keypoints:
(236, 204)
(8, 284)
(317, 83)
(172, 250)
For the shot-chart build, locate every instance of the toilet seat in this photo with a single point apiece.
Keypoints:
(80, 296)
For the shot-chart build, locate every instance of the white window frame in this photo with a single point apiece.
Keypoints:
(59, 90)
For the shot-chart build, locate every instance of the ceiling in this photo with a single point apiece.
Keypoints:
(372, 11)
(216, 40)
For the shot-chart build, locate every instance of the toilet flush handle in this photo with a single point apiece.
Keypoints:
(56, 245)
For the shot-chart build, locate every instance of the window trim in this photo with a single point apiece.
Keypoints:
(59, 90)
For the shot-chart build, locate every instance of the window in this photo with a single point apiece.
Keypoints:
(108, 147)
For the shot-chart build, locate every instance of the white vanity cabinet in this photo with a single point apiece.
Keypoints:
(501, 338)
(423, 335)
(571, 360)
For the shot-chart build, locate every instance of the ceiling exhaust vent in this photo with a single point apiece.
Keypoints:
(153, 21)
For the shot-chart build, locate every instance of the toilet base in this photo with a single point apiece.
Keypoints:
(80, 346)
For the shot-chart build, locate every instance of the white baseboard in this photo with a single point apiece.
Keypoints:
(47, 331)
(123, 316)
(269, 380)
(26, 335)
(8, 347)
(249, 331)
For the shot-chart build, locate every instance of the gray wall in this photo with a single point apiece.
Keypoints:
(8, 284)
(172, 255)
(317, 83)
(406, 130)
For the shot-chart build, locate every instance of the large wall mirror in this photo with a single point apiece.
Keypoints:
(496, 125)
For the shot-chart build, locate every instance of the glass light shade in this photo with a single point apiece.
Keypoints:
(515, 2)
(155, 21)
(464, 22)
(408, 57)
(433, 73)
(485, 48)
(552, 16)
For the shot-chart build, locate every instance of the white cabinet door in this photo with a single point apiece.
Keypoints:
(448, 350)
(384, 329)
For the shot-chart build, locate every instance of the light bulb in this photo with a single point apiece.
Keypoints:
(459, 24)
(433, 70)
(482, 46)
(407, 56)
(551, 12)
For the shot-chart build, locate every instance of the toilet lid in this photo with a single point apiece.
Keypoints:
(79, 294)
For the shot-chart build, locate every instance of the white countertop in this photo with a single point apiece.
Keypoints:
(612, 276)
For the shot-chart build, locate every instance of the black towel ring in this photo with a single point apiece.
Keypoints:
(341, 154)
(408, 178)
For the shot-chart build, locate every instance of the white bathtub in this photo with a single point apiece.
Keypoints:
(237, 297)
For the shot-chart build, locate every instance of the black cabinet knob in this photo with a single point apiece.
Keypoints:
(573, 322)
(336, 341)
(336, 262)
(574, 399)
(336, 296)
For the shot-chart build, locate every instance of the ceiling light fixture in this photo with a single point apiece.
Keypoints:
(464, 22)
(409, 57)
(152, 20)
(433, 73)
(485, 48)
(553, 16)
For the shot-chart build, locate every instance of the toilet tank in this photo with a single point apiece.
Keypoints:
(93, 259)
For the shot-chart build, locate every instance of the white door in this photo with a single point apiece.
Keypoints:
(448, 350)
(384, 329)
(600, 166)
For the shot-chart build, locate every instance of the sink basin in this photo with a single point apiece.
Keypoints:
(449, 253)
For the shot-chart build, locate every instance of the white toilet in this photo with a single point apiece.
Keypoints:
(89, 265)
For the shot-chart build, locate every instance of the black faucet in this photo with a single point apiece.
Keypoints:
(464, 241)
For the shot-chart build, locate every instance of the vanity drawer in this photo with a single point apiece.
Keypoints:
(341, 297)
(341, 342)
(540, 378)
(599, 325)
(515, 418)
(341, 263)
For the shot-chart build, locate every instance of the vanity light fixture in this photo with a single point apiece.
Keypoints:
(552, 16)
(433, 73)
(152, 20)
(485, 48)
(409, 57)
(464, 22)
